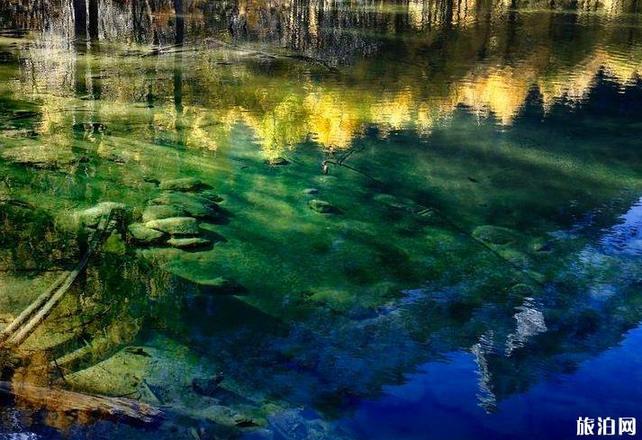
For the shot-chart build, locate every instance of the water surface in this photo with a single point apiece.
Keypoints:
(414, 219)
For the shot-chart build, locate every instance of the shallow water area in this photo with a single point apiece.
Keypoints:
(319, 220)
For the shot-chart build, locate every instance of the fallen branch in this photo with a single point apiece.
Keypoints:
(27, 313)
(25, 324)
(69, 402)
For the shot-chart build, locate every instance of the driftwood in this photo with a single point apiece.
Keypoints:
(85, 405)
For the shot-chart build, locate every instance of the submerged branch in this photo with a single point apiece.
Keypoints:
(70, 402)
(26, 323)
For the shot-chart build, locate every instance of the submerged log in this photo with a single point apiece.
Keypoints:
(85, 405)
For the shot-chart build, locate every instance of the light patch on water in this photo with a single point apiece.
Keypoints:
(530, 322)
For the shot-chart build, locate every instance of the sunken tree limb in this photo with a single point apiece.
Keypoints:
(85, 405)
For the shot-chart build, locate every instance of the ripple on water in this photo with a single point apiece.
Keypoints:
(625, 238)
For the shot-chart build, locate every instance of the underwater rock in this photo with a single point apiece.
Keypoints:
(175, 225)
(193, 204)
(277, 161)
(496, 235)
(188, 243)
(185, 184)
(158, 212)
(310, 191)
(322, 206)
(211, 195)
(91, 217)
(393, 202)
(142, 234)
(207, 386)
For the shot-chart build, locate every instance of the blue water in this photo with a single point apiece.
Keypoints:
(439, 401)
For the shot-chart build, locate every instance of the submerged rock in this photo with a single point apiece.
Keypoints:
(193, 204)
(175, 225)
(186, 184)
(158, 212)
(393, 202)
(277, 161)
(496, 235)
(188, 243)
(91, 217)
(322, 206)
(207, 386)
(211, 195)
(142, 234)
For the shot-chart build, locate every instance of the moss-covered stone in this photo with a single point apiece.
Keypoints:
(175, 225)
(144, 235)
(189, 243)
(92, 216)
(193, 204)
(393, 202)
(322, 206)
(187, 184)
(158, 212)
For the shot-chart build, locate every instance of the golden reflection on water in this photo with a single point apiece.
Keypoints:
(292, 106)
(289, 104)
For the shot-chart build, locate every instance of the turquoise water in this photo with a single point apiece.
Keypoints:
(320, 220)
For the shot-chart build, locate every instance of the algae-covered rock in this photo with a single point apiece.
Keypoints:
(393, 202)
(92, 216)
(188, 243)
(496, 235)
(211, 195)
(277, 161)
(186, 184)
(175, 225)
(144, 235)
(322, 206)
(157, 212)
(193, 204)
